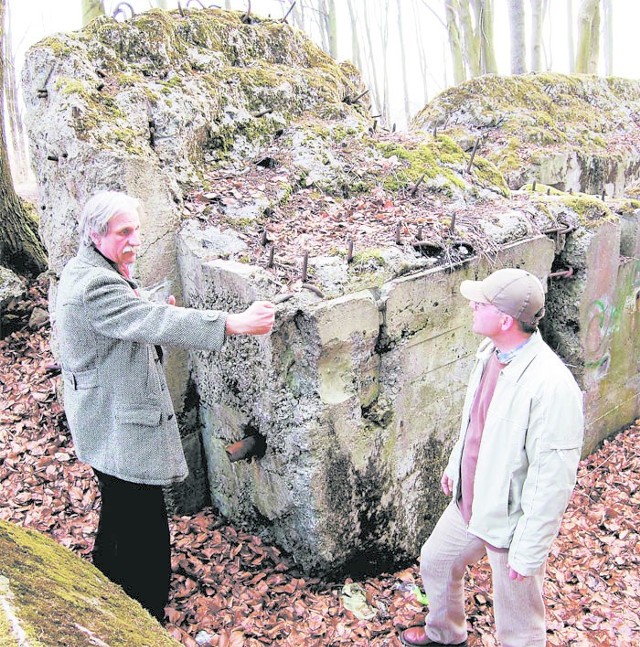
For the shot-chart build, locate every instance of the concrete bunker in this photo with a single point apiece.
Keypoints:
(240, 143)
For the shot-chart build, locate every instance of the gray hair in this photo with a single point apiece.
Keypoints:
(98, 211)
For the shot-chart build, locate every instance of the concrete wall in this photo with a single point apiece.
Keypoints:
(593, 320)
(358, 399)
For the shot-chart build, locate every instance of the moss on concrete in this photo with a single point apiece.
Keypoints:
(60, 599)
(538, 114)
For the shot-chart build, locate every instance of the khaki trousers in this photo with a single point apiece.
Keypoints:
(518, 605)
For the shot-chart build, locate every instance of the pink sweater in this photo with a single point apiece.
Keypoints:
(473, 437)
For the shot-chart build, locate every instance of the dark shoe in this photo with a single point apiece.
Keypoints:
(417, 637)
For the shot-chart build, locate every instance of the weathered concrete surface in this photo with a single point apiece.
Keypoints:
(141, 107)
(593, 320)
(357, 399)
(11, 287)
(49, 596)
(575, 133)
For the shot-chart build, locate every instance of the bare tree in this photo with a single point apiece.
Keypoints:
(20, 247)
(516, 31)
(484, 30)
(422, 57)
(371, 73)
(588, 37)
(571, 38)
(536, 35)
(455, 41)
(355, 37)
(384, 39)
(470, 29)
(91, 9)
(607, 36)
(16, 142)
(403, 61)
(329, 26)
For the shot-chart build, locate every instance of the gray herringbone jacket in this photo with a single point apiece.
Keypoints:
(115, 394)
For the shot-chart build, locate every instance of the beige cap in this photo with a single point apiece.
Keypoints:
(515, 292)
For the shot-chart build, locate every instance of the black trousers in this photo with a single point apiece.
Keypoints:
(132, 543)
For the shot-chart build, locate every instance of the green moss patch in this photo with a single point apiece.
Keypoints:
(59, 599)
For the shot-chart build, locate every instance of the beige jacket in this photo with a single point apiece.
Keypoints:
(115, 394)
(528, 456)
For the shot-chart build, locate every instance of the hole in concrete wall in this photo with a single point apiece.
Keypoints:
(252, 445)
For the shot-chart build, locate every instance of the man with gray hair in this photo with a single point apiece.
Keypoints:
(510, 473)
(115, 394)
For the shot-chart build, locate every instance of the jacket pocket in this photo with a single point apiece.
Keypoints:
(141, 416)
(81, 380)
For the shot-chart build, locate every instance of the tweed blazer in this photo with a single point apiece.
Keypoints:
(115, 394)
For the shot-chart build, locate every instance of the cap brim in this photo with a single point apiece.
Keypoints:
(472, 290)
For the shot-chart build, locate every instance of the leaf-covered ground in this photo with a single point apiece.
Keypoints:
(229, 588)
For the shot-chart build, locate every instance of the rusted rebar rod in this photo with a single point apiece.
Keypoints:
(119, 10)
(242, 449)
(473, 154)
(284, 18)
(561, 274)
(349, 251)
(312, 288)
(305, 263)
(351, 100)
(414, 188)
(262, 113)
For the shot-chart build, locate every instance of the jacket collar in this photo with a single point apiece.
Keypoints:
(89, 254)
(520, 362)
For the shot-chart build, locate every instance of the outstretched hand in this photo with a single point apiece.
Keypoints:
(257, 319)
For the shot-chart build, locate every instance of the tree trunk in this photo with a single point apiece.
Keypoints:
(485, 35)
(536, 35)
(472, 52)
(91, 9)
(571, 43)
(455, 44)
(516, 31)
(422, 58)
(588, 37)
(373, 75)
(403, 64)
(17, 147)
(607, 32)
(20, 248)
(384, 39)
(355, 41)
(332, 28)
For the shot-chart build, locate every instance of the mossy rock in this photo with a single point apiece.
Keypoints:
(50, 596)
(531, 123)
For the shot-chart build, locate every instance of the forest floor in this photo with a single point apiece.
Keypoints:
(229, 588)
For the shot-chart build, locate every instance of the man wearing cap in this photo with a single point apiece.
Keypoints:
(511, 471)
